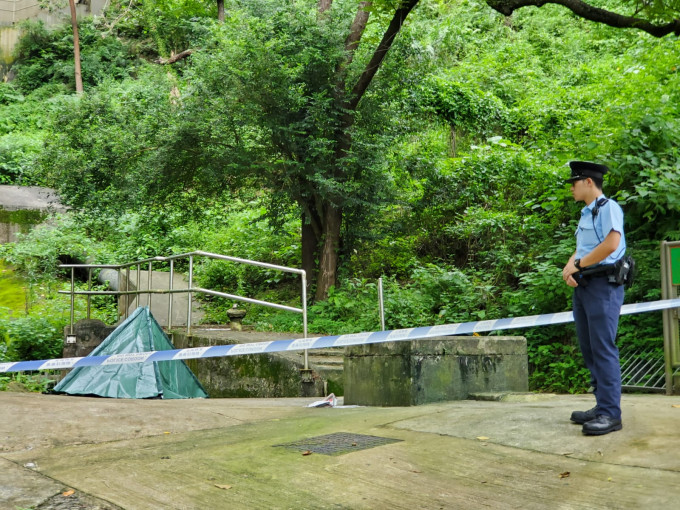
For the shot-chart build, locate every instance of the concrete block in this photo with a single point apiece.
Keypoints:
(434, 370)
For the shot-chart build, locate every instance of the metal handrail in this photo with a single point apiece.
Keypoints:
(189, 290)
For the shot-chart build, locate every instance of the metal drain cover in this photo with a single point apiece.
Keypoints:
(338, 443)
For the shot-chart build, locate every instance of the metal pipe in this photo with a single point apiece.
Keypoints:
(184, 255)
(139, 272)
(191, 283)
(89, 287)
(246, 300)
(73, 282)
(127, 289)
(381, 304)
(149, 276)
(172, 273)
(247, 261)
(171, 290)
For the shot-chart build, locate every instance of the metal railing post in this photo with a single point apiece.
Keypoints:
(381, 304)
(89, 288)
(170, 286)
(73, 295)
(148, 301)
(127, 290)
(191, 285)
(139, 272)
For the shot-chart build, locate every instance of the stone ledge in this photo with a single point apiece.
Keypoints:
(434, 370)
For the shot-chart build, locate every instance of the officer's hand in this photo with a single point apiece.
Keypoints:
(571, 281)
(569, 270)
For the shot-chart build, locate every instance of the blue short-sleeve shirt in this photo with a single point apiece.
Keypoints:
(592, 229)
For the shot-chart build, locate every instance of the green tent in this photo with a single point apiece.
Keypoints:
(159, 379)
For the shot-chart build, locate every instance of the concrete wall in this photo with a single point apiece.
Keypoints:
(23, 207)
(14, 11)
(439, 369)
(248, 376)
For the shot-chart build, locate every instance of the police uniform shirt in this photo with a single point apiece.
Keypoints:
(593, 228)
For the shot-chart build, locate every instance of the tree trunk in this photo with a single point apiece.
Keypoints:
(220, 10)
(328, 261)
(310, 248)
(452, 142)
(76, 47)
(331, 214)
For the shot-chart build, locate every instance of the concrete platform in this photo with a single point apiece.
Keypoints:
(518, 452)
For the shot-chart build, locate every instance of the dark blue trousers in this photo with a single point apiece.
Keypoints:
(597, 306)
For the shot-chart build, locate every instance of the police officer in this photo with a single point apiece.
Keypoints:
(597, 301)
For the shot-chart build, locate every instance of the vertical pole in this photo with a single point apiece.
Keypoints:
(139, 272)
(191, 285)
(170, 286)
(89, 288)
(304, 314)
(73, 282)
(670, 317)
(127, 289)
(381, 304)
(148, 299)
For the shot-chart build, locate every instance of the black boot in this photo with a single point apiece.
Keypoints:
(603, 424)
(582, 417)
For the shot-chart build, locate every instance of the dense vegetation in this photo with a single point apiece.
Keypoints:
(449, 175)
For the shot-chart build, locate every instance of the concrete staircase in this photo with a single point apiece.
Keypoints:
(328, 364)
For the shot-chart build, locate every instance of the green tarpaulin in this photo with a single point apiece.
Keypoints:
(158, 379)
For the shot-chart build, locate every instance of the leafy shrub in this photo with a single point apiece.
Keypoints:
(16, 154)
(37, 253)
(31, 338)
(44, 56)
(27, 382)
(557, 367)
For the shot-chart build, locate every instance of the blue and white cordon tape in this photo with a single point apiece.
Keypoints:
(397, 335)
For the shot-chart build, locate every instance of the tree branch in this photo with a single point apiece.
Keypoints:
(586, 11)
(351, 44)
(175, 58)
(379, 55)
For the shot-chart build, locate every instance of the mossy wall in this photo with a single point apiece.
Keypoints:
(248, 376)
(19, 221)
(434, 370)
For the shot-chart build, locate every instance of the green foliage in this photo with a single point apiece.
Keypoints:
(464, 106)
(25, 382)
(109, 164)
(156, 158)
(557, 367)
(161, 27)
(37, 253)
(30, 338)
(17, 151)
(44, 56)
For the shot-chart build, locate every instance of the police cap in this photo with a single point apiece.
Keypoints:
(584, 169)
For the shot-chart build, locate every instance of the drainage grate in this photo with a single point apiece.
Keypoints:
(338, 443)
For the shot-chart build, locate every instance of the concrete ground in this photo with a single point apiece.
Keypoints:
(60, 452)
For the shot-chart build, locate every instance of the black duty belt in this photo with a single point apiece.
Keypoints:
(601, 270)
